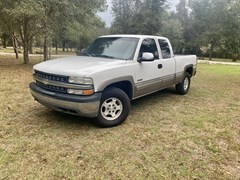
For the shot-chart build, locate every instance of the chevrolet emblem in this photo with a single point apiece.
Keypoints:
(45, 81)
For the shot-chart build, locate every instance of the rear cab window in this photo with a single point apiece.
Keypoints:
(165, 48)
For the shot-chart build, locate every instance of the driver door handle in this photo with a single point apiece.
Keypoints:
(160, 66)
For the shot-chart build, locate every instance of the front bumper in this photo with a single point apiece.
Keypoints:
(86, 106)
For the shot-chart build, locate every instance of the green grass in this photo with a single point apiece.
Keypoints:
(167, 136)
(223, 70)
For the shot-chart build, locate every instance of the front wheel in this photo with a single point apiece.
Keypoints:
(183, 87)
(114, 108)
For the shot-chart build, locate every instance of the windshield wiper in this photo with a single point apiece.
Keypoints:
(104, 56)
(85, 53)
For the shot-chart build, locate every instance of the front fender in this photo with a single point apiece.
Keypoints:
(108, 82)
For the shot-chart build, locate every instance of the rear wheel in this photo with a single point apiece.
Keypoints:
(183, 87)
(114, 108)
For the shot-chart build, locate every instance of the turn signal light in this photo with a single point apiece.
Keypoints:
(80, 92)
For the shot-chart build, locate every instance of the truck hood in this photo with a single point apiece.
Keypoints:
(78, 66)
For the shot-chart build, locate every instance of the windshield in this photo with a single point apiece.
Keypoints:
(112, 47)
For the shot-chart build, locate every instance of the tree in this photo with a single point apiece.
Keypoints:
(4, 38)
(7, 27)
(183, 15)
(22, 17)
(123, 11)
(138, 17)
(65, 14)
(80, 35)
(147, 17)
(208, 23)
(232, 32)
(172, 28)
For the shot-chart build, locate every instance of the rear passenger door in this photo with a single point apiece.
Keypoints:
(168, 63)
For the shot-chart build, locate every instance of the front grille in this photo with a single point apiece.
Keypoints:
(51, 87)
(52, 77)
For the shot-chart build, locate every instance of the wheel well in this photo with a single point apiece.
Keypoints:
(190, 70)
(125, 86)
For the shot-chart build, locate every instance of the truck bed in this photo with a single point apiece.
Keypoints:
(183, 60)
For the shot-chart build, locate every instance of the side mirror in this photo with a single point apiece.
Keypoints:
(146, 57)
(79, 51)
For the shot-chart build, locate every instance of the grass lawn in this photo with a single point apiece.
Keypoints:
(167, 136)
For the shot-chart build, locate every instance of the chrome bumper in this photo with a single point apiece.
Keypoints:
(85, 107)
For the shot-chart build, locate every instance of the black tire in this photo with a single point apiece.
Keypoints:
(183, 87)
(114, 108)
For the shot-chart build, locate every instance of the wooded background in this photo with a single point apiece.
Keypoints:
(207, 28)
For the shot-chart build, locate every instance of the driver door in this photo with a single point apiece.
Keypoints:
(148, 73)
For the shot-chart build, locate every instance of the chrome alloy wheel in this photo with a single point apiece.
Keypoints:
(111, 109)
(185, 84)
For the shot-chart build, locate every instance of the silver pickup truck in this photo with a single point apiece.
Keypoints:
(115, 69)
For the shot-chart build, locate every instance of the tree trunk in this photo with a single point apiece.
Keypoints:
(45, 43)
(56, 47)
(45, 49)
(234, 59)
(25, 52)
(24, 33)
(4, 42)
(50, 52)
(211, 51)
(15, 46)
(31, 46)
(64, 46)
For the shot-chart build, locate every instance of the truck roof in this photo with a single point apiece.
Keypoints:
(134, 36)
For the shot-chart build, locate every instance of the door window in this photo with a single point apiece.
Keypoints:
(149, 45)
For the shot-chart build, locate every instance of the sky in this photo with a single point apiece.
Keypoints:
(108, 18)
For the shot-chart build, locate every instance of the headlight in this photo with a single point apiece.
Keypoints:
(80, 80)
